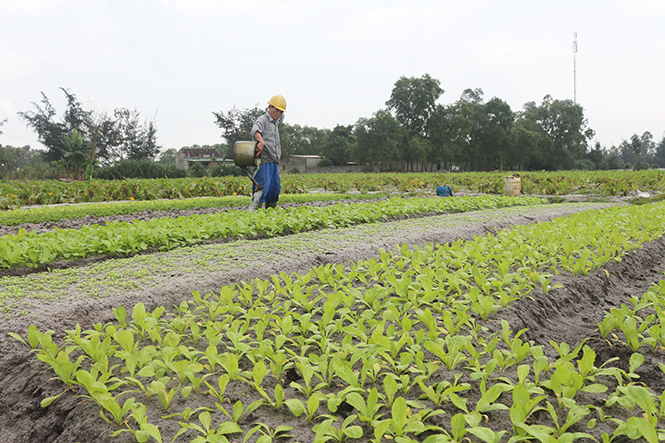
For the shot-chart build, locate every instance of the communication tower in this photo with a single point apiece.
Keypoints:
(575, 67)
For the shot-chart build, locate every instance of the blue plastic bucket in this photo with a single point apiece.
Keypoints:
(444, 191)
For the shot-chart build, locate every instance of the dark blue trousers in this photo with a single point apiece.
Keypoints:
(268, 177)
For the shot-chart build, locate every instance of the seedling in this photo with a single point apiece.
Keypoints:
(368, 411)
(269, 435)
(208, 432)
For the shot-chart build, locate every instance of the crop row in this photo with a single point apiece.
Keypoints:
(32, 249)
(56, 213)
(390, 347)
(642, 323)
(21, 193)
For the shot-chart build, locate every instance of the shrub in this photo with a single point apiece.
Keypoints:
(584, 165)
(324, 163)
(641, 166)
(139, 169)
(225, 171)
(197, 170)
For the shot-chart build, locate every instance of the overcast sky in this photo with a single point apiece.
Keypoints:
(177, 61)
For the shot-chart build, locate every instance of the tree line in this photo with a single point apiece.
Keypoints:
(412, 132)
(415, 132)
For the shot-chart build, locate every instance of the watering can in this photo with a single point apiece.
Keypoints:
(243, 156)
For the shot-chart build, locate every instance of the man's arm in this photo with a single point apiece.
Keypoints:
(259, 146)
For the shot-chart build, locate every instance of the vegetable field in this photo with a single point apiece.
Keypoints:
(603, 183)
(484, 318)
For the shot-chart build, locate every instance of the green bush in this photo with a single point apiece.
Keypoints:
(139, 169)
(641, 166)
(224, 171)
(324, 163)
(584, 165)
(197, 170)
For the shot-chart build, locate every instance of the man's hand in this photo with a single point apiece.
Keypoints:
(258, 149)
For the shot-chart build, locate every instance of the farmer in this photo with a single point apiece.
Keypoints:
(268, 150)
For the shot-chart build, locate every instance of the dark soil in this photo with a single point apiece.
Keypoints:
(569, 314)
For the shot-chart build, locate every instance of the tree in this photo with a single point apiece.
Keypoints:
(167, 157)
(301, 140)
(13, 159)
(647, 146)
(639, 149)
(137, 141)
(532, 143)
(598, 156)
(496, 139)
(236, 124)
(564, 123)
(614, 158)
(447, 131)
(51, 133)
(338, 146)
(379, 139)
(635, 146)
(416, 151)
(659, 154)
(414, 101)
(115, 138)
(626, 151)
(471, 112)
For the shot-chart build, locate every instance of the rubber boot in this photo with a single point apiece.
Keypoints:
(271, 205)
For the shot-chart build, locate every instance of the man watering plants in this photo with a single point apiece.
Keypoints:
(268, 150)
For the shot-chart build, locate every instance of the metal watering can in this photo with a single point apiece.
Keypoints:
(243, 156)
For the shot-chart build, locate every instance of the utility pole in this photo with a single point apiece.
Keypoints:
(575, 67)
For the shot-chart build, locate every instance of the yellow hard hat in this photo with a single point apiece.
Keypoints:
(279, 102)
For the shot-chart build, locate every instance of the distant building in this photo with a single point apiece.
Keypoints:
(304, 162)
(186, 156)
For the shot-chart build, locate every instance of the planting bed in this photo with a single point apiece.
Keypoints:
(87, 293)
